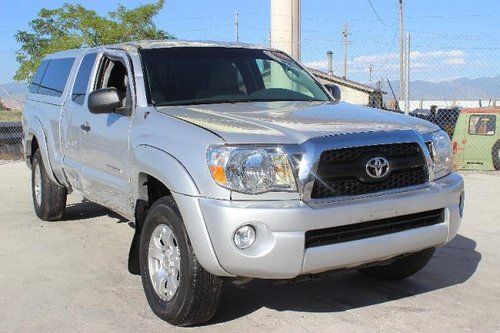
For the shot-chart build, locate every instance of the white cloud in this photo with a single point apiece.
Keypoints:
(425, 62)
(454, 61)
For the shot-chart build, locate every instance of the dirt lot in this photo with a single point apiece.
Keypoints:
(71, 276)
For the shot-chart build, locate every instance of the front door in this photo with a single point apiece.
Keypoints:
(106, 139)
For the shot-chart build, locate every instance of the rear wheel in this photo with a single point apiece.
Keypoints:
(49, 198)
(495, 155)
(400, 268)
(177, 288)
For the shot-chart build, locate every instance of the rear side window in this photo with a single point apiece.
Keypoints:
(56, 76)
(37, 79)
(480, 124)
(82, 78)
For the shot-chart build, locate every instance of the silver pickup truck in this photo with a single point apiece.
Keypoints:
(235, 163)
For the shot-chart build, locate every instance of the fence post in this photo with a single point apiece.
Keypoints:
(407, 81)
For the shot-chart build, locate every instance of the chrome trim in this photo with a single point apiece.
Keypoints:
(305, 156)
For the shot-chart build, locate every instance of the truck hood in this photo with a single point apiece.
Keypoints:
(291, 122)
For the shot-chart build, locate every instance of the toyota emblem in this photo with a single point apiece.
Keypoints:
(377, 167)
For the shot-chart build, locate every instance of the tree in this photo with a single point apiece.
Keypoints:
(74, 26)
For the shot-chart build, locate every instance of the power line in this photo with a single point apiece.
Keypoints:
(376, 14)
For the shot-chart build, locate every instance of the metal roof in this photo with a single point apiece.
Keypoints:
(486, 109)
(344, 82)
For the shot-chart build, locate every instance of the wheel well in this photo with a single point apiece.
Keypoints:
(34, 147)
(155, 189)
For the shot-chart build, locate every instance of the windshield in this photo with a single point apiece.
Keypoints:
(204, 75)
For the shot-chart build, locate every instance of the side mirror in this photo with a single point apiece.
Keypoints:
(104, 101)
(334, 90)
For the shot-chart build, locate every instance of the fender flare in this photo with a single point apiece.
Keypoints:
(154, 161)
(34, 129)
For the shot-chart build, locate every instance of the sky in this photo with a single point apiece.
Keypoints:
(449, 39)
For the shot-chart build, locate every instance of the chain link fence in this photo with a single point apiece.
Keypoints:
(11, 134)
(454, 79)
(454, 83)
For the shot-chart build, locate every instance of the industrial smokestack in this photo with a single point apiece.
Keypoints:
(329, 57)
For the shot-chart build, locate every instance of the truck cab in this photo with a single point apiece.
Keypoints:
(476, 140)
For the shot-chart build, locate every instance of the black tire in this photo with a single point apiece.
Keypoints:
(52, 203)
(400, 268)
(495, 155)
(199, 292)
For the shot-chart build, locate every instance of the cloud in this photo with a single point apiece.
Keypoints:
(425, 62)
(454, 61)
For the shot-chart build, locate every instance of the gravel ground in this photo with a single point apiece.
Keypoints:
(71, 276)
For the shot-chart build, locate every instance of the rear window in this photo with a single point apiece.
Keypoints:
(481, 124)
(37, 79)
(82, 78)
(55, 77)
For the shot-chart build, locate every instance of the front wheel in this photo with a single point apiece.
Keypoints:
(49, 198)
(177, 288)
(400, 268)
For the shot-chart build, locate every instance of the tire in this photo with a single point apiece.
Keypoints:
(198, 294)
(49, 198)
(400, 268)
(495, 155)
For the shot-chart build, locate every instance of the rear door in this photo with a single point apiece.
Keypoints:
(74, 117)
(105, 140)
(480, 138)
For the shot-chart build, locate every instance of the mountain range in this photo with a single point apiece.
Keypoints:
(484, 88)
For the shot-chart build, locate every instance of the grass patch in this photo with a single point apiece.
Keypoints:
(11, 115)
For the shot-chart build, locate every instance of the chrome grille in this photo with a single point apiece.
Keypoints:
(342, 172)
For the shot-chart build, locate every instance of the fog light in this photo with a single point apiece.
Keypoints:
(244, 237)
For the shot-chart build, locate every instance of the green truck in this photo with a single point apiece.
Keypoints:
(476, 140)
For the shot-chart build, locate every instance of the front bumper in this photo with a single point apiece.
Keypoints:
(279, 250)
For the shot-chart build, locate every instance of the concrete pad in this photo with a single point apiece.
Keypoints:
(72, 276)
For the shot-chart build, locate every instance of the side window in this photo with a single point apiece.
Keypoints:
(56, 76)
(83, 78)
(37, 78)
(480, 124)
(113, 74)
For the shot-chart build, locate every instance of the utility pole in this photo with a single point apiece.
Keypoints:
(407, 77)
(345, 36)
(237, 26)
(285, 26)
(370, 70)
(401, 51)
(329, 57)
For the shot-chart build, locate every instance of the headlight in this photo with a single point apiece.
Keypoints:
(251, 170)
(441, 154)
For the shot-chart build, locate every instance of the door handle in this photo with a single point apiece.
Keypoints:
(85, 127)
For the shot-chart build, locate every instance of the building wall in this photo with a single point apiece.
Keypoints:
(351, 95)
(354, 96)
